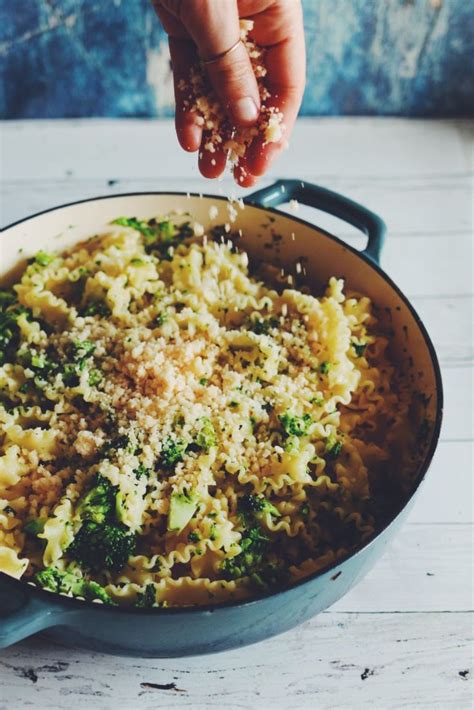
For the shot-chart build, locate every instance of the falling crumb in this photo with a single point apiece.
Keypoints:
(198, 229)
(213, 161)
(294, 205)
(293, 237)
(213, 212)
(298, 268)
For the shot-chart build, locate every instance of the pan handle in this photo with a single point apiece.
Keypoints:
(22, 615)
(328, 201)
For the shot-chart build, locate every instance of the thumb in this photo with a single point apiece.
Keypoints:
(215, 29)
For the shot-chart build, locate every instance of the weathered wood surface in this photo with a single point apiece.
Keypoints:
(402, 638)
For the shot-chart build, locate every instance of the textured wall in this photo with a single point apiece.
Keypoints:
(66, 58)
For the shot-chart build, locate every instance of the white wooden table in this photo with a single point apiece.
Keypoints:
(402, 638)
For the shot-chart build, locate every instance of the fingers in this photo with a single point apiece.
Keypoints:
(242, 176)
(260, 155)
(211, 164)
(285, 62)
(183, 55)
(214, 26)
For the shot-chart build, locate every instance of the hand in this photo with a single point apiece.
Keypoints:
(207, 28)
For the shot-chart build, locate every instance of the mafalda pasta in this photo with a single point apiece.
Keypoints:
(175, 431)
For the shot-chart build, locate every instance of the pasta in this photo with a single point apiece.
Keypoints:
(177, 428)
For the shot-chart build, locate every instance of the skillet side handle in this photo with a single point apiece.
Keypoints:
(328, 201)
(22, 615)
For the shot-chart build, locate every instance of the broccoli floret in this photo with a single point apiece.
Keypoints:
(262, 326)
(68, 583)
(35, 526)
(194, 536)
(102, 546)
(95, 377)
(138, 224)
(206, 437)
(257, 505)
(294, 425)
(82, 349)
(98, 504)
(7, 298)
(142, 470)
(161, 318)
(333, 447)
(173, 451)
(325, 367)
(254, 545)
(182, 508)
(101, 542)
(359, 348)
(43, 258)
(96, 308)
(49, 578)
(270, 575)
(146, 599)
(10, 332)
(120, 442)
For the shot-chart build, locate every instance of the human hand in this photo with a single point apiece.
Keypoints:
(208, 28)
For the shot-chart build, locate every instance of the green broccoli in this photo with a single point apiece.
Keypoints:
(294, 425)
(146, 599)
(359, 348)
(257, 505)
(325, 367)
(69, 583)
(262, 326)
(34, 526)
(7, 298)
(142, 470)
(253, 545)
(333, 447)
(206, 437)
(82, 349)
(101, 542)
(173, 451)
(138, 224)
(102, 546)
(182, 508)
(96, 307)
(270, 575)
(43, 258)
(95, 377)
(98, 504)
(9, 332)
(161, 318)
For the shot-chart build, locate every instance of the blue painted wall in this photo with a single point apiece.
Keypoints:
(68, 58)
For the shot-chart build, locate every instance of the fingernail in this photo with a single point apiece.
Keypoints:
(245, 110)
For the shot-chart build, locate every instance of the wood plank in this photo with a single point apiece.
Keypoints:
(410, 207)
(343, 661)
(354, 147)
(446, 494)
(412, 575)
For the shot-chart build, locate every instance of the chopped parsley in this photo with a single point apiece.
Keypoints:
(293, 425)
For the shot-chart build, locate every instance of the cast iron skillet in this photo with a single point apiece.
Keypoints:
(26, 609)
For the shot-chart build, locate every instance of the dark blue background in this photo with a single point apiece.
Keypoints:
(68, 58)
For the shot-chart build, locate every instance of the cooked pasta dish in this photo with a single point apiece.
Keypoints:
(178, 428)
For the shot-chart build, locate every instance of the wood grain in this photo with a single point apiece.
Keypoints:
(337, 660)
